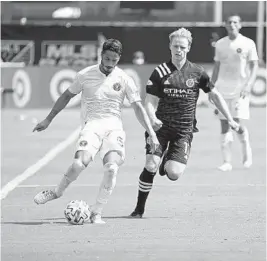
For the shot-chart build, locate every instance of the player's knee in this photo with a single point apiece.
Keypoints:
(227, 138)
(83, 157)
(174, 169)
(110, 172)
(111, 169)
(151, 166)
(78, 165)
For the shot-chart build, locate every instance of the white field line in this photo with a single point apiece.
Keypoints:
(30, 171)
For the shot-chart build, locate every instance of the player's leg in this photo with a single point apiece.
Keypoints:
(112, 152)
(226, 144)
(146, 178)
(177, 156)
(145, 184)
(242, 113)
(87, 147)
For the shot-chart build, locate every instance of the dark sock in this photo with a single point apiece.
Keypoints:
(145, 185)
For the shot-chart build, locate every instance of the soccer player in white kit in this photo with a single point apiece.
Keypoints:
(104, 87)
(234, 73)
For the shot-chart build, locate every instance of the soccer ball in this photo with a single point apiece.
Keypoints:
(77, 212)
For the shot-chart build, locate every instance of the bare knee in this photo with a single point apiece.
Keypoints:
(111, 169)
(174, 169)
(83, 157)
(152, 163)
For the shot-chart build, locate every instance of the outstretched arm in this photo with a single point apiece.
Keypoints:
(60, 104)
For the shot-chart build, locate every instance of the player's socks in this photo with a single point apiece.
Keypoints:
(72, 174)
(106, 187)
(145, 185)
(226, 144)
(243, 136)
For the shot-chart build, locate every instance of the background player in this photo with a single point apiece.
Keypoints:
(104, 87)
(234, 73)
(172, 93)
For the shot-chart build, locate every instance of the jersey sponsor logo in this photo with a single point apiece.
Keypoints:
(172, 92)
(239, 50)
(149, 82)
(190, 83)
(117, 87)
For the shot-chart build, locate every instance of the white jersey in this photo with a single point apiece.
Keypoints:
(103, 96)
(234, 56)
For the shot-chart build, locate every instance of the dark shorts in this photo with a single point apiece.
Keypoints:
(178, 145)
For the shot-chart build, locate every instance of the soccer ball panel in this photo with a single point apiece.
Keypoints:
(77, 212)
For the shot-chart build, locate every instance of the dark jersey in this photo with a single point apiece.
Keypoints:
(178, 92)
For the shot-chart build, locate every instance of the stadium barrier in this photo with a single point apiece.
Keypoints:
(39, 87)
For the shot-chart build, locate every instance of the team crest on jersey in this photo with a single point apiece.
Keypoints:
(239, 50)
(190, 83)
(116, 86)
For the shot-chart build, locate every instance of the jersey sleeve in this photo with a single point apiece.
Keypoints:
(153, 84)
(252, 55)
(205, 83)
(132, 92)
(76, 86)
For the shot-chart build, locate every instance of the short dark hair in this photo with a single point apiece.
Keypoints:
(231, 15)
(112, 45)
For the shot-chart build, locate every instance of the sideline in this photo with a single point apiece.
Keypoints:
(30, 171)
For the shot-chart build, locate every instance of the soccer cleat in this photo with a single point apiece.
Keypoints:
(162, 171)
(225, 167)
(136, 214)
(96, 218)
(45, 196)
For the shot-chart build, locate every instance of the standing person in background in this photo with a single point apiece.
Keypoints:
(234, 73)
(104, 87)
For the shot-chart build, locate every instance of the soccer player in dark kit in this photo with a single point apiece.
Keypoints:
(171, 97)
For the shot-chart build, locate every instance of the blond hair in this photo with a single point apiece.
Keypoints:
(182, 32)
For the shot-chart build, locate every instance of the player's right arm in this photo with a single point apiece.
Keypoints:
(60, 104)
(152, 99)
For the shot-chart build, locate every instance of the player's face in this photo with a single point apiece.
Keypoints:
(179, 47)
(109, 61)
(233, 25)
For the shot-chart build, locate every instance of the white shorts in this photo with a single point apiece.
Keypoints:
(103, 136)
(239, 108)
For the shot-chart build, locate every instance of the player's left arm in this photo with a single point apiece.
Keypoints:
(208, 87)
(253, 66)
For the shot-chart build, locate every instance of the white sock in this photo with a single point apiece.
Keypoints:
(246, 149)
(226, 144)
(72, 174)
(106, 187)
